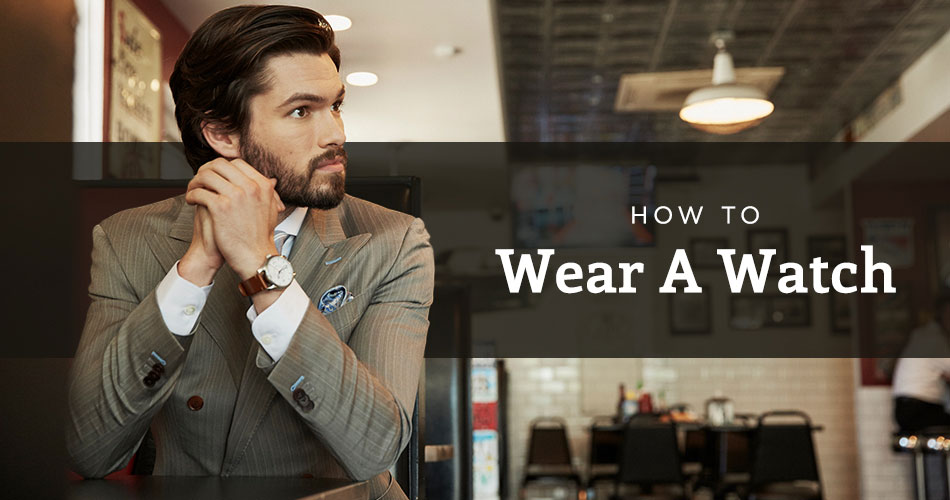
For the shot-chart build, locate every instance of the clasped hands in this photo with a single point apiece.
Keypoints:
(236, 210)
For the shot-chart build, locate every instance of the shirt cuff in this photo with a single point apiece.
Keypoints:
(180, 302)
(275, 327)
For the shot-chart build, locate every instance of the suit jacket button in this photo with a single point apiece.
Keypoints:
(299, 395)
(307, 406)
(158, 368)
(149, 380)
(195, 403)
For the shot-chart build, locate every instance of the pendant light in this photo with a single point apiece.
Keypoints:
(725, 107)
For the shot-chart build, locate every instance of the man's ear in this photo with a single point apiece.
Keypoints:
(226, 144)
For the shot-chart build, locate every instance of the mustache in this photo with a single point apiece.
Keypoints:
(329, 156)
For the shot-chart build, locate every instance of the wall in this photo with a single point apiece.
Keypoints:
(884, 474)
(37, 60)
(924, 88)
(580, 389)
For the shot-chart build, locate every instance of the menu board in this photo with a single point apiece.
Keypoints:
(135, 98)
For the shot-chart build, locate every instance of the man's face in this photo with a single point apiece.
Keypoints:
(295, 132)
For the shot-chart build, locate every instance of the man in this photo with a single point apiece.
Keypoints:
(199, 329)
(920, 378)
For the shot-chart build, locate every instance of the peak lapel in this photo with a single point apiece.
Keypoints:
(168, 248)
(321, 239)
(223, 315)
(325, 251)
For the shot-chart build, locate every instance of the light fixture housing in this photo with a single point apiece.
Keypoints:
(725, 107)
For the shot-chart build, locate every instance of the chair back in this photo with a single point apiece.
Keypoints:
(650, 453)
(783, 452)
(548, 443)
(605, 442)
(403, 194)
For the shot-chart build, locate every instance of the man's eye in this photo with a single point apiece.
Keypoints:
(337, 106)
(299, 112)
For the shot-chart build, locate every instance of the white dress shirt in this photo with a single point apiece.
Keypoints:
(181, 301)
(919, 373)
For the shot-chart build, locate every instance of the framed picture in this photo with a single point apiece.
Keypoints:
(690, 313)
(776, 239)
(754, 312)
(789, 311)
(702, 252)
(831, 249)
(839, 310)
(748, 312)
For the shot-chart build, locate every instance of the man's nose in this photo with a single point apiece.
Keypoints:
(331, 132)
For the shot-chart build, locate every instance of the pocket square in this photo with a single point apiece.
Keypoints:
(333, 299)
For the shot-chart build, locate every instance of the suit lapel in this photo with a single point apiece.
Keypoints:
(223, 315)
(321, 239)
(324, 251)
(170, 247)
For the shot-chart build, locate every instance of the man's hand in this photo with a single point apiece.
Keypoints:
(243, 208)
(202, 260)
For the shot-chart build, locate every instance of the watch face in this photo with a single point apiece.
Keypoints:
(279, 271)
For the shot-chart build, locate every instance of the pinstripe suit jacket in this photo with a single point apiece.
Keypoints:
(358, 366)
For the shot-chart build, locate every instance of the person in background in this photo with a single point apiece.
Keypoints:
(921, 378)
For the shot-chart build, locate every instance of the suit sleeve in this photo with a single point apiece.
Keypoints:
(125, 368)
(358, 396)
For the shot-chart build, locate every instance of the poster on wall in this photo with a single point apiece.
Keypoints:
(892, 239)
(135, 105)
(486, 476)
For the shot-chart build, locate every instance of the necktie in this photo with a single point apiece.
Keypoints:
(284, 242)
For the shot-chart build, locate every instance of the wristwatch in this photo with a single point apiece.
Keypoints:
(275, 273)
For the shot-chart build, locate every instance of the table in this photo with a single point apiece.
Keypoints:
(213, 488)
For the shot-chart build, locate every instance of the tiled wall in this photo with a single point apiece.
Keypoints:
(579, 389)
(884, 474)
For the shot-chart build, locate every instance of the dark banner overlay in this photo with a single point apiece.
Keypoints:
(571, 250)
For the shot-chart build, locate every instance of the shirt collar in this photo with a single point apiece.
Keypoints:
(291, 225)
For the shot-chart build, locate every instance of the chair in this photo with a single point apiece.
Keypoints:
(403, 194)
(650, 457)
(549, 455)
(606, 438)
(929, 447)
(694, 444)
(784, 464)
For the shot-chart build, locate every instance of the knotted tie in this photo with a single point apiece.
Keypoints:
(283, 241)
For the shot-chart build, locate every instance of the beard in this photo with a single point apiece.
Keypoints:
(312, 188)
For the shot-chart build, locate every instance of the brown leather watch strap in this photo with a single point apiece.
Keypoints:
(252, 285)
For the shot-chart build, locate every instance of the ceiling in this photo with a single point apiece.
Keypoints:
(562, 60)
(419, 97)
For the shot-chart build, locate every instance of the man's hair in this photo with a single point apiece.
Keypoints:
(222, 67)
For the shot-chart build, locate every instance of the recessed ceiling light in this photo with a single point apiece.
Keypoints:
(339, 23)
(446, 50)
(362, 78)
